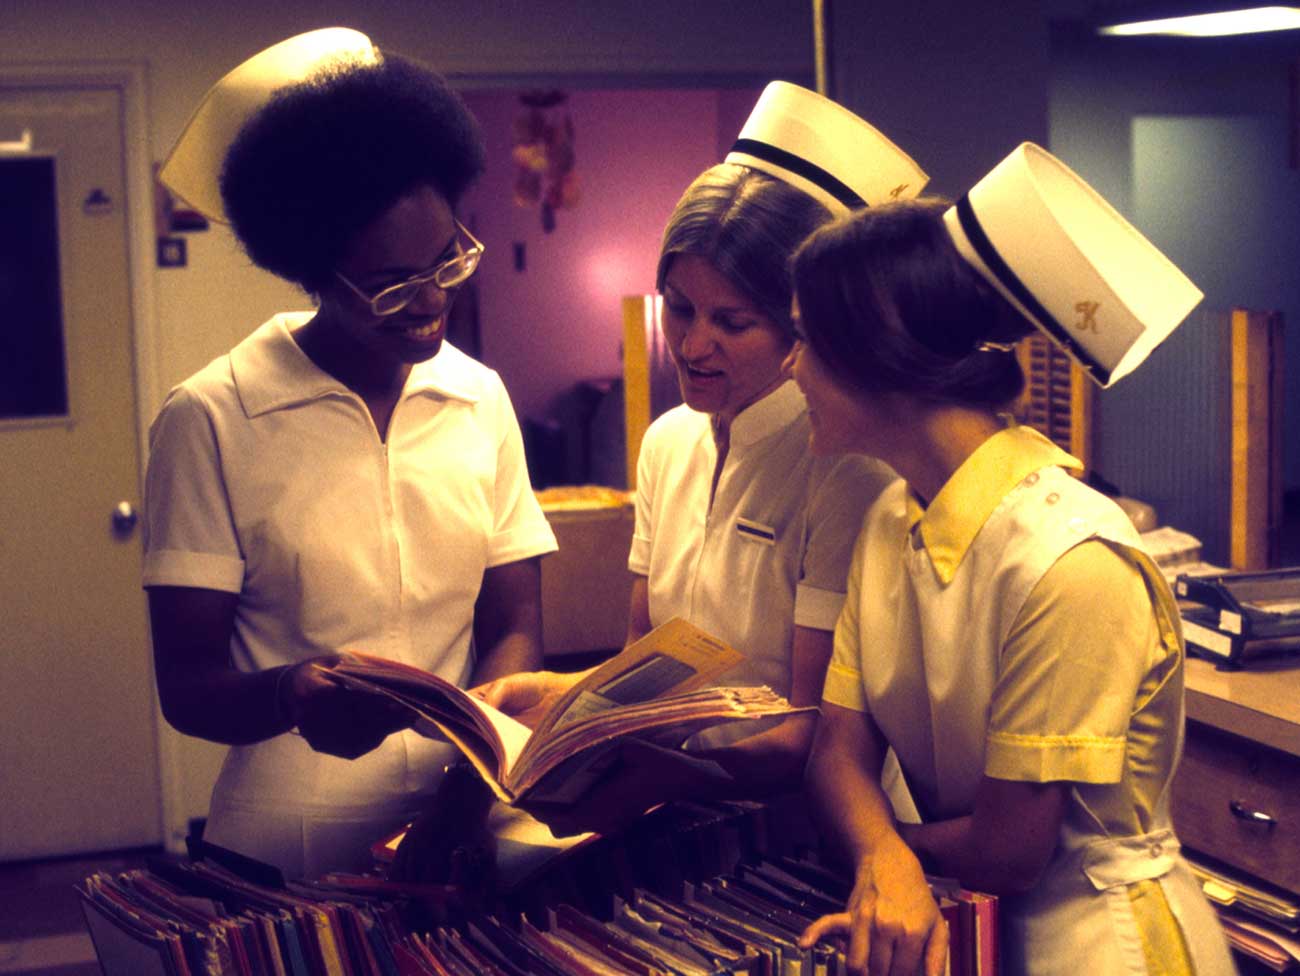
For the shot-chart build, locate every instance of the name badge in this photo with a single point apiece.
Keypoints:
(756, 531)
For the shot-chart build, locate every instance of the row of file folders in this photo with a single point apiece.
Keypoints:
(197, 918)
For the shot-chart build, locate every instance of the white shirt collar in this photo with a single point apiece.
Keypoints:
(771, 414)
(272, 372)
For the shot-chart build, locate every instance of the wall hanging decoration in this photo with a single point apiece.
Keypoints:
(543, 155)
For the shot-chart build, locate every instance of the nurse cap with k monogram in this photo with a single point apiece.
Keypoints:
(825, 150)
(1066, 259)
(193, 168)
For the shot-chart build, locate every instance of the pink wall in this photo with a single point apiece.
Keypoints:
(734, 106)
(557, 322)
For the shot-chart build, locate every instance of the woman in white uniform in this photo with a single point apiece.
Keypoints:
(343, 479)
(1003, 633)
(739, 529)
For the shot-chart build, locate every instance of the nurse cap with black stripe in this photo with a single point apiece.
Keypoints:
(825, 150)
(1062, 255)
(193, 167)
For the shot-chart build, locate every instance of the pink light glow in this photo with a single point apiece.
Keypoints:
(612, 273)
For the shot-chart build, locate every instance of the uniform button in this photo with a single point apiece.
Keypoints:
(1031, 478)
(1157, 850)
(1053, 498)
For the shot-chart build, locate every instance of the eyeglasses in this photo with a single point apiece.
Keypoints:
(449, 274)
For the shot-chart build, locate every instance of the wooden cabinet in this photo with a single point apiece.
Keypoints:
(1239, 802)
(1237, 793)
(586, 586)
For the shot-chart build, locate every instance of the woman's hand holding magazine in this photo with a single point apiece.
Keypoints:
(657, 689)
(528, 695)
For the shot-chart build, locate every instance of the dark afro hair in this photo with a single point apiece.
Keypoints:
(327, 156)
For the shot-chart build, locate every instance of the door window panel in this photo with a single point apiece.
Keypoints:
(33, 374)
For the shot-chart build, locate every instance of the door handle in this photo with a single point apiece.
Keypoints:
(124, 518)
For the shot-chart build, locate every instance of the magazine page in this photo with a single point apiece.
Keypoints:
(658, 686)
(673, 658)
(563, 765)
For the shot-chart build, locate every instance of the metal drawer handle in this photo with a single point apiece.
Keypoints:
(1243, 812)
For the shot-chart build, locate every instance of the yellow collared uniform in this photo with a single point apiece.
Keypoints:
(1028, 638)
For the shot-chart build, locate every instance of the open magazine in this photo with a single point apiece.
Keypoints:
(655, 690)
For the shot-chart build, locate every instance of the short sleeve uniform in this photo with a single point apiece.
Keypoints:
(268, 479)
(1013, 629)
(769, 551)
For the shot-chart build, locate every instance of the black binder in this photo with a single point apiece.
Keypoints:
(1242, 615)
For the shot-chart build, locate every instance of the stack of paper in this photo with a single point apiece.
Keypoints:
(1175, 551)
(1259, 923)
(564, 498)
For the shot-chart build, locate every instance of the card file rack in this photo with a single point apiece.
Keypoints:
(695, 890)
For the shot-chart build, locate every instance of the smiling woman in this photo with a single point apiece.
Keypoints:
(369, 335)
(349, 224)
(452, 269)
(344, 479)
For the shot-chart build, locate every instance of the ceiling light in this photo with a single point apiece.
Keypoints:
(1253, 20)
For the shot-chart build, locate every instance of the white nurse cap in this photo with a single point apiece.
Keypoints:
(825, 150)
(1066, 258)
(193, 168)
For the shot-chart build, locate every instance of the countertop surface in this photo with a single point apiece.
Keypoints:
(1261, 703)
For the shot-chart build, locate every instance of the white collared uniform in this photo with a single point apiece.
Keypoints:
(771, 552)
(268, 479)
(949, 643)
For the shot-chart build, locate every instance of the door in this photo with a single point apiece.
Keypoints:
(78, 756)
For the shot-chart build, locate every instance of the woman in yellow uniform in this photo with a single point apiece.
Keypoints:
(1003, 631)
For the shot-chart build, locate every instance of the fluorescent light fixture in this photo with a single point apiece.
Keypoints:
(1253, 20)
